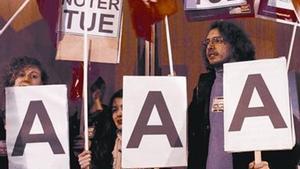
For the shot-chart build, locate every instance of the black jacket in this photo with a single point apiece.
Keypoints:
(3, 159)
(199, 130)
(103, 143)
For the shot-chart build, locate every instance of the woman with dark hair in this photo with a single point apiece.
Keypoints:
(106, 145)
(22, 71)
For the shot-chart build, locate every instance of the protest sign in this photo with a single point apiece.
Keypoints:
(37, 127)
(154, 122)
(104, 21)
(257, 112)
(199, 10)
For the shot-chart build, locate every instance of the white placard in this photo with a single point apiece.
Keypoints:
(256, 106)
(152, 104)
(285, 4)
(212, 4)
(37, 127)
(103, 17)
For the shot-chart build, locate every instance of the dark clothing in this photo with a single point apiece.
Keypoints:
(98, 117)
(100, 122)
(199, 130)
(103, 142)
(3, 156)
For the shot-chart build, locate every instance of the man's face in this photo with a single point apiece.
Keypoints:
(29, 75)
(217, 50)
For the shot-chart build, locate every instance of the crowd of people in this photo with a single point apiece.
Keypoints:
(225, 42)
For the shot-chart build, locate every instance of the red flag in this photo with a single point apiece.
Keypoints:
(49, 9)
(77, 82)
(296, 4)
(29, 15)
(143, 15)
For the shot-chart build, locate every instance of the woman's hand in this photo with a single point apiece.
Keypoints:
(261, 165)
(84, 159)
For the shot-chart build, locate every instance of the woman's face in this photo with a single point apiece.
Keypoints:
(117, 108)
(29, 75)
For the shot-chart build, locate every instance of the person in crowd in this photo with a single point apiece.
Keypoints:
(25, 71)
(98, 112)
(225, 42)
(97, 116)
(106, 145)
(22, 71)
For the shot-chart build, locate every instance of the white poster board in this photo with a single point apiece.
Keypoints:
(285, 4)
(37, 127)
(104, 28)
(153, 105)
(257, 112)
(282, 11)
(212, 4)
(103, 17)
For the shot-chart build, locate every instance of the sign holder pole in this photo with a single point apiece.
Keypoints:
(257, 157)
(169, 46)
(14, 16)
(85, 83)
(291, 45)
(85, 87)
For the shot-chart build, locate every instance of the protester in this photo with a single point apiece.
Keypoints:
(22, 71)
(225, 42)
(105, 149)
(98, 112)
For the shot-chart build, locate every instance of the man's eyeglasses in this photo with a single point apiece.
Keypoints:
(213, 41)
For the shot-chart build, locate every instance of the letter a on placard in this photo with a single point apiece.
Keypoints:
(255, 81)
(154, 98)
(37, 108)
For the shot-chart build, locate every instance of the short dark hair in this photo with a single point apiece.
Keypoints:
(17, 64)
(241, 46)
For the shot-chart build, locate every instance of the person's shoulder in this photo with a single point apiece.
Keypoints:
(206, 77)
(209, 74)
(2, 127)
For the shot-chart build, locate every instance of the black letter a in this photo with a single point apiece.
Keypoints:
(167, 128)
(270, 109)
(24, 136)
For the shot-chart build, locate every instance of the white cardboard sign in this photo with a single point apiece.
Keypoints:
(212, 4)
(37, 127)
(103, 17)
(154, 122)
(257, 112)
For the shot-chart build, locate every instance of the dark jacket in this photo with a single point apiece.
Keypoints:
(103, 143)
(199, 130)
(3, 158)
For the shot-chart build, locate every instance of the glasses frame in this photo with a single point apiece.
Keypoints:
(214, 40)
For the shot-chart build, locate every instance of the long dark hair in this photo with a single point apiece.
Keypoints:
(242, 48)
(17, 64)
(104, 140)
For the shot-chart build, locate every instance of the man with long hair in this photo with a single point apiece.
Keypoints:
(225, 42)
